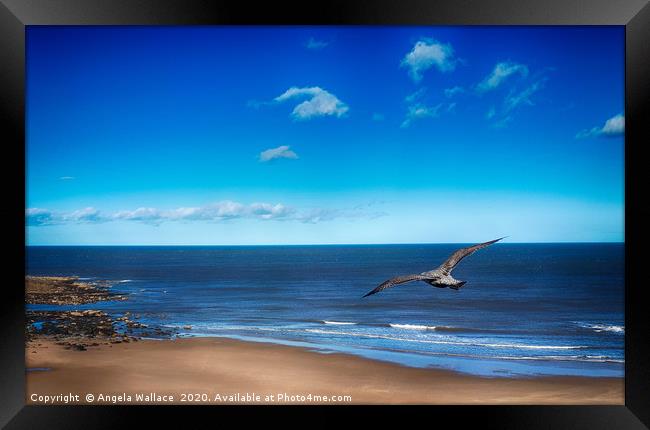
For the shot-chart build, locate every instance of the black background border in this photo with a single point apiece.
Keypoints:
(633, 14)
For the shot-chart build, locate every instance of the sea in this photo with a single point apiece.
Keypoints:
(527, 309)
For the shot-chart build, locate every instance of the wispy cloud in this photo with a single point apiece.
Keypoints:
(417, 108)
(515, 99)
(420, 111)
(66, 178)
(615, 126)
(499, 74)
(39, 216)
(454, 91)
(378, 116)
(87, 215)
(219, 211)
(216, 212)
(315, 44)
(320, 103)
(279, 152)
(417, 95)
(314, 216)
(427, 53)
(152, 215)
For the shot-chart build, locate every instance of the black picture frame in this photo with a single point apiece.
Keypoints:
(633, 14)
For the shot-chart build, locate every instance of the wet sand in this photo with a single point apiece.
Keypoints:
(222, 371)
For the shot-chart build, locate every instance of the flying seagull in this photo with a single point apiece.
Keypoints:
(440, 277)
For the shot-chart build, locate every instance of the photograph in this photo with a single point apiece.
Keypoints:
(325, 214)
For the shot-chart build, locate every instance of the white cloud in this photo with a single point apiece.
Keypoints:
(427, 53)
(315, 45)
(615, 126)
(38, 216)
(139, 214)
(500, 73)
(454, 91)
(215, 212)
(270, 211)
(66, 178)
(279, 152)
(85, 215)
(320, 103)
(219, 211)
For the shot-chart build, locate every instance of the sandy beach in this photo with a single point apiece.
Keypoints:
(226, 371)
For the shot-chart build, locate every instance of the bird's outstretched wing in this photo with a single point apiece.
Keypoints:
(396, 281)
(455, 258)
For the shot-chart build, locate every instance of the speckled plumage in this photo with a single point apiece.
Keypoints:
(439, 277)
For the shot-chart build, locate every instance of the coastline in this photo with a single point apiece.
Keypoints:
(118, 360)
(226, 371)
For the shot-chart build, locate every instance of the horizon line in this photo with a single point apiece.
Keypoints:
(321, 244)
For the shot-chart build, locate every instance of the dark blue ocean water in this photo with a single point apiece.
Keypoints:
(526, 309)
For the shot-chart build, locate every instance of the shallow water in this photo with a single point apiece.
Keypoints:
(527, 309)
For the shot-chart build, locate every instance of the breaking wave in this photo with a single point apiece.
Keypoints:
(448, 342)
(598, 328)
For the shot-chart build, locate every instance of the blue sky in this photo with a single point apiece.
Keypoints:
(300, 135)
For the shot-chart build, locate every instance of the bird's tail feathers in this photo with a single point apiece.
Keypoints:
(458, 286)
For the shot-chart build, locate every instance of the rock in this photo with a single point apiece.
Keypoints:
(64, 291)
